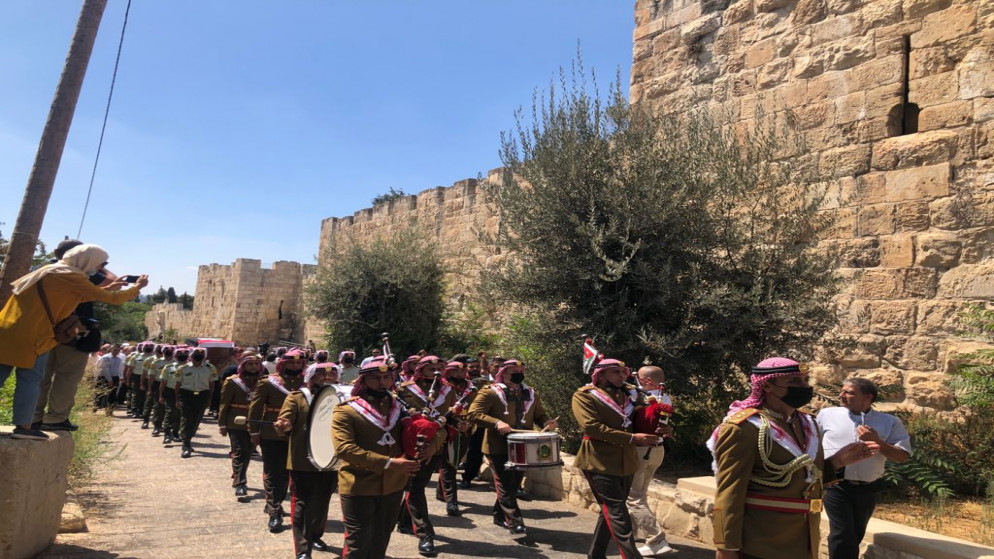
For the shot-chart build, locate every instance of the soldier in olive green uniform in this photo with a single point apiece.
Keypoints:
(367, 430)
(133, 376)
(267, 401)
(150, 375)
(507, 404)
(608, 455)
(311, 488)
(414, 517)
(770, 469)
(193, 383)
(480, 374)
(168, 397)
(235, 396)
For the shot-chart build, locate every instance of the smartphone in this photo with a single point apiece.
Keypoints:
(131, 279)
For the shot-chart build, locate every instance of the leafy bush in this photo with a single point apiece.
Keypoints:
(668, 239)
(388, 196)
(392, 284)
(122, 323)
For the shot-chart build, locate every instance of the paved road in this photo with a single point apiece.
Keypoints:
(149, 503)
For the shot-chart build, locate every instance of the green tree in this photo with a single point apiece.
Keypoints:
(186, 300)
(122, 323)
(171, 295)
(159, 296)
(666, 238)
(392, 284)
(393, 194)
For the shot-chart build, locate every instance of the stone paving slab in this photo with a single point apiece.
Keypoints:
(148, 503)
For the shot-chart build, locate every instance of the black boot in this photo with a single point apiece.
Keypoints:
(426, 546)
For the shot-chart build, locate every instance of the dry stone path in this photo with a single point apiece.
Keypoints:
(149, 503)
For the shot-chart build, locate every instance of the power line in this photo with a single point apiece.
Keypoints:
(103, 128)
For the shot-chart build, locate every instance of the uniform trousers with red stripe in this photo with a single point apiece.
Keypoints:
(309, 506)
(241, 455)
(614, 522)
(507, 481)
(414, 511)
(448, 487)
(369, 520)
(274, 473)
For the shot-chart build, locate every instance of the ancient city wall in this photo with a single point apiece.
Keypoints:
(243, 302)
(895, 98)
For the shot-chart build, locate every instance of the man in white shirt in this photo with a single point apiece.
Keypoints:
(652, 380)
(110, 370)
(850, 503)
(376, 355)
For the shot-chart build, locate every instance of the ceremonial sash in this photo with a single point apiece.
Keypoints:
(526, 404)
(307, 394)
(786, 440)
(276, 381)
(417, 391)
(241, 384)
(386, 423)
(607, 400)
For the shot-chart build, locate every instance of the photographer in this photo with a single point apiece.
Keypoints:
(41, 307)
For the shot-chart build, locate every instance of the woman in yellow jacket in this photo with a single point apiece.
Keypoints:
(26, 333)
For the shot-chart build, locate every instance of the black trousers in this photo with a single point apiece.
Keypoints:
(368, 523)
(122, 391)
(191, 409)
(170, 412)
(474, 456)
(151, 400)
(241, 455)
(448, 489)
(507, 481)
(309, 506)
(611, 492)
(849, 507)
(275, 478)
(216, 397)
(107, 392)
(137, 395)
(414, 511)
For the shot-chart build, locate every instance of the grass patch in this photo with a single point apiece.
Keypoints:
(93, 449)
(7, 401)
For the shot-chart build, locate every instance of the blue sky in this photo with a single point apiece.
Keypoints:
(238, 125)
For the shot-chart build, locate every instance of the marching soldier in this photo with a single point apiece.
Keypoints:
(311, 488)
(770, 470)
(235, 396)
(167, 395)
(480, 375)
(267, 400)
(367, 430)
(458, 429)
(193, 383)
(608, 456)
(418, 395)
(506, 405)
(158, 409)
(133, 377)
(150, 378)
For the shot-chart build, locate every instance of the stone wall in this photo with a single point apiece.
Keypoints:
(243, 302)
(895, 99)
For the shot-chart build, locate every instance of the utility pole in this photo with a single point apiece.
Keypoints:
(24, 237)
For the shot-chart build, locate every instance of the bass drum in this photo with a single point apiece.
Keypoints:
(320, 447)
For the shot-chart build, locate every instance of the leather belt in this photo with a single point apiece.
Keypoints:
(783, 504)
(239, 406)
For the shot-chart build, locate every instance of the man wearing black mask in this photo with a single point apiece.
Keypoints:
(506, 405)
(267, 400)
(235, 396)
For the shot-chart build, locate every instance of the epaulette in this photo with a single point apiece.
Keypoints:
(585, 388)
(742, 415)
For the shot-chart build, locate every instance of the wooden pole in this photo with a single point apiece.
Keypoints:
(24, 237)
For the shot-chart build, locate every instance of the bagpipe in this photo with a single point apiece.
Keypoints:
(421, 426)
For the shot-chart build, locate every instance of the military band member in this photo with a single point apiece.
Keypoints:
(608, 455)
(267, 401)
(481, 375)
(156, 410)
(458, 428)
(506, 405)
(168, 397)
(133, 376)
(417, 394)
(770, 471)
(652, 380)
(236, 393)
(311, 488)
(193, 382)
(367, 430)
(150, 376)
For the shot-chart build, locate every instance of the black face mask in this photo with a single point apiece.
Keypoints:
(517, 378)
(378, 394)
(292, 372)
(798, 396)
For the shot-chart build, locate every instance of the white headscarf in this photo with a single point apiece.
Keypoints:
(83, 259)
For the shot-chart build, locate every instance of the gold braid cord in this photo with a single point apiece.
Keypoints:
(780, 475)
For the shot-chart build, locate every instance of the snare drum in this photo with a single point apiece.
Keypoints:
(532, 450)
(320, 449)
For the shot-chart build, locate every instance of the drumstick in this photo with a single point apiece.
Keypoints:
(546, 428)
(241, 421)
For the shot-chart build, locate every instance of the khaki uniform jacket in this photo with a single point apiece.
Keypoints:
(770, 534)
(266, 403)
(234, 402)
(415, 403)
(296, 409)
(364, 461)
(487, 410)
(607, 446)
(195, 378)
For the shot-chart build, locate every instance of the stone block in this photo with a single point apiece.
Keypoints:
(880, 13)
(737, 12)
(937, 250)
(912, 216)
(892, 317)
(939, 317)
(827, 86)
(888, 283)
(921, 8)
(760, 53)
(983, 109)
(948, 115)
(946, 25)
(897, 251)
(889, 381)
(870, 188)
(845, 162)
(877, 73)
(920, 182)
(976, 72)
(956, 350)
(935, 89)
(809, 11)
(929, 390)
(875, 219)
(849, 108)
(915, 150)
(968, 281)
(916, 352)
(32, 493)
(978, 246)
(693, 32)
(849, 52)
(859, 359)
(773, 74)
(859, 253)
